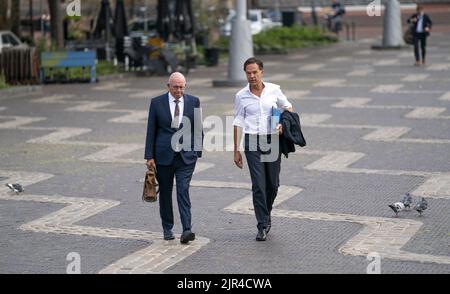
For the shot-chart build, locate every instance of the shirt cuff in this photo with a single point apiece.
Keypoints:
(238, 121)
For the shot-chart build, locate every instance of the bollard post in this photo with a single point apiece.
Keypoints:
(353, 31)
(347, 31)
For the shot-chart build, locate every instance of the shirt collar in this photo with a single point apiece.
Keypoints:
(266, 85)
(171, 98)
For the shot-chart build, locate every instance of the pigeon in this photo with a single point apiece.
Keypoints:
(17, 188)
(421, 206)
(397, 207)
(407, 200)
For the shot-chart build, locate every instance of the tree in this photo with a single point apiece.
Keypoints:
(4, 25)
(15, 17)
(208, 18)
(56, 23)
(131, 5)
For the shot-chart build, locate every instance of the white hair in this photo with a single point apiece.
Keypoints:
(176, 76)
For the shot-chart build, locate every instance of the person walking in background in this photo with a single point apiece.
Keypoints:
(172, 155)
(334, 17)
(421, 23)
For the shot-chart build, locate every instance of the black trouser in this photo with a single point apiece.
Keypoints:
(422, 38)
(265, 179)
(165, 175)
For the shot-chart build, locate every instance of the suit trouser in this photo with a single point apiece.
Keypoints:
(265, 182)
(165, 175)
(422, 39)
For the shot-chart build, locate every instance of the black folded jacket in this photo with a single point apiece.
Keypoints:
(292, 133)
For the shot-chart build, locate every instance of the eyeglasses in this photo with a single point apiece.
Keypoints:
(178, 87)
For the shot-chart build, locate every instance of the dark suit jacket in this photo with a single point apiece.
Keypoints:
(159, 131)
(426, 22)
(292, 133)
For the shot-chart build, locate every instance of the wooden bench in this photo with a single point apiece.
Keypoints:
(68, 60)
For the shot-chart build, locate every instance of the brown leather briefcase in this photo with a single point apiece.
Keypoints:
(150, 187)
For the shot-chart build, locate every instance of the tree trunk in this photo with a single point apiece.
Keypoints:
(4, 25)
(15, 17)
(56, 23)
(131, 6)
(30, 3)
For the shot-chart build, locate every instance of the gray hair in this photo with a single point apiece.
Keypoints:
(176, 75)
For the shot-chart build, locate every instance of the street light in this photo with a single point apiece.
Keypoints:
(31, 20)
(146, 17)
(241, 48)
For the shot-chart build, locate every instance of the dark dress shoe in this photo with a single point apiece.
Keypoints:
(269, 225)
(186, 237)
(169, 237)
(261, 236)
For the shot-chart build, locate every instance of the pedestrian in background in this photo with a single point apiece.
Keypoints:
(421, 23)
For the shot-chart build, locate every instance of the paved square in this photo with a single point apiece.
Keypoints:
(376, 128)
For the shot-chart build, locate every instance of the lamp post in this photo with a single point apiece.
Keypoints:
(392, 27)
(145, 18)
(277, 11)
(241, 48)
(41, 13)
(31, 21)
(107, 31)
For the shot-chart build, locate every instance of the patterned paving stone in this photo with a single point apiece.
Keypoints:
(376, 127)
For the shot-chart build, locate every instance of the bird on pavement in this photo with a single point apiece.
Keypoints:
(407, 200)
(421, 206)
(17, 188)
(397, 207)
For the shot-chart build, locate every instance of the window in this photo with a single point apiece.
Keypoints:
(9, 40)
(5, 40)
(13, 40)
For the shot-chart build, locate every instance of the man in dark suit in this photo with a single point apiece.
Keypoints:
(173, 144)
(421, 23)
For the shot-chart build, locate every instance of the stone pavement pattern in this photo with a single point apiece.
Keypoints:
(376, 128)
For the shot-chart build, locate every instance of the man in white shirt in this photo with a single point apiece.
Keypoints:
(254, 106)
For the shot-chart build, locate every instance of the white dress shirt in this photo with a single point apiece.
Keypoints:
(420, 24)
(253, 113)
(172, 105)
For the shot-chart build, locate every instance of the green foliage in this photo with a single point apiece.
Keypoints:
(74, 18)
(106, 68)
(103, 68)
(41, 45)
(280, 39)
(223, 43)
(3, 83)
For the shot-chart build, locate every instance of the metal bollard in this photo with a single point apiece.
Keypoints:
(353, 31)
(347, 30)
